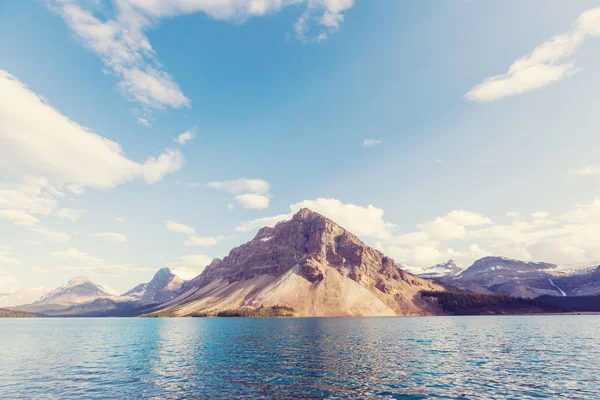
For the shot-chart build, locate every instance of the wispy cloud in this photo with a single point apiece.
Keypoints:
(178, 227)
(371, 142)
(186, 136)
(586, 171)
(121, 41)
(241, 185)
(110, 237)
(548, 63)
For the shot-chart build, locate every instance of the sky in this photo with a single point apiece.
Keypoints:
(138, 134)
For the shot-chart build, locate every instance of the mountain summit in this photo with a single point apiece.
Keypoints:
(164, 286)
(309, 264)
(449, 268)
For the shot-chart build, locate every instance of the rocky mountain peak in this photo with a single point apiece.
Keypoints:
(448, 268)
(163, 287)
(310, 264)
(308, 240)
(163, 274)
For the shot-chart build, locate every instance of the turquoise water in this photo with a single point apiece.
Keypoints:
(401, 358)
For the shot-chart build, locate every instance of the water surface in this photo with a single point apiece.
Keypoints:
(396, 358)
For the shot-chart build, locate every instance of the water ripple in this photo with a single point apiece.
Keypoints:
(322, 358)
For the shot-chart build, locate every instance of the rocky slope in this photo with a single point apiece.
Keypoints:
(164, 286)
(310, 264)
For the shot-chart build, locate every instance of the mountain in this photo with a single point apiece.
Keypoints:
(75, 292)
(21, 296)
(449, 268)
(164, 286)
(505, 276)
(309, 265)
(494, 266)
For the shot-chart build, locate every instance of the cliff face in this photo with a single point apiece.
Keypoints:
(310, 264)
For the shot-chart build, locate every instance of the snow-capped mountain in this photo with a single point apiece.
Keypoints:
(576, 269)
(448, 268)
(77, 291)
(511, 277)
(164, 286)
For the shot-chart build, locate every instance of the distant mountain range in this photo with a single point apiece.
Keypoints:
(310, 266)
(501, 275)
(81, 297)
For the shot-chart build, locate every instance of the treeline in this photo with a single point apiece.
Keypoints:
(460, 303)
(274, 311)
(573, 304)
(18, 314)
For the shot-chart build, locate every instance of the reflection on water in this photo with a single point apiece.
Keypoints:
(401, 358)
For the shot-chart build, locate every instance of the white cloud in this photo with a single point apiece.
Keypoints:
(258, 223)
(513, 214)
(120, 219)
(51, 235)
(44, 154)
(186, 136)
(177, 227)
(111, 270)
(540, 214)
(7, 258)
(201, 241)
(121, 42)
(205, 241)
(8, 283)
(188, 267)
(371, 142)
(111, 237)
(38, 142)
(250, 193)
(324, 14)
(253, 201)
(453, 225)
(77, 255)
(30, 196)
(72, 215)
(242, 185)
(18, 217)
(549, 62)
(586, 171)
(362, 221)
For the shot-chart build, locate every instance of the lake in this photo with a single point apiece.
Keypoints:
(396, 358)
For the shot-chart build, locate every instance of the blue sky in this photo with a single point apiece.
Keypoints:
(280, 98)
